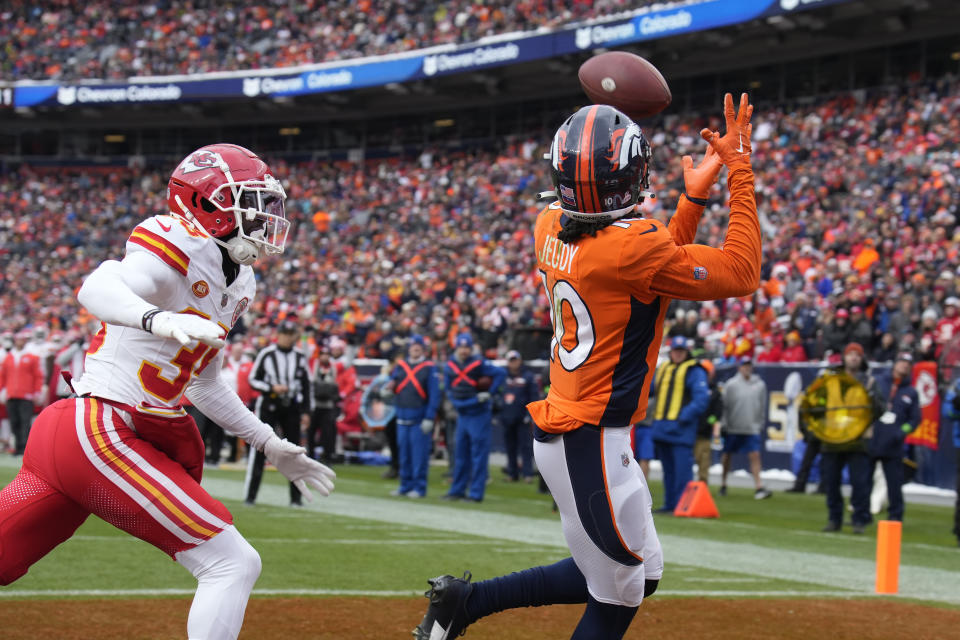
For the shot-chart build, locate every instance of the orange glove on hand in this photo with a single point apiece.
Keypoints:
(698, 180)
(734, 147)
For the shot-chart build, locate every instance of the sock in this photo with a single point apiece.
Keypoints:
(559, 583)
(603, 621)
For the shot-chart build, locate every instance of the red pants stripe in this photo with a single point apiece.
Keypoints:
(83, 457)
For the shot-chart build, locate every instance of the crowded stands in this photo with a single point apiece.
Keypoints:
(857, 196)
(70, 40)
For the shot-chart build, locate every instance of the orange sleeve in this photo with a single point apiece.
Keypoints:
(683, 224)
(698, 272)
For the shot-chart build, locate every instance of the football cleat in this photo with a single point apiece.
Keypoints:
(446, 615)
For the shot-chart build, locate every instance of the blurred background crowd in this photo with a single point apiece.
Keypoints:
(70, 40)
(857, 194)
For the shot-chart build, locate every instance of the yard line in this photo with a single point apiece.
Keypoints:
(360, 593)
(832, 571)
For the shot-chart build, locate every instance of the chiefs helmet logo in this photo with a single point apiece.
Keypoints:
(203, 159)
(624, 145)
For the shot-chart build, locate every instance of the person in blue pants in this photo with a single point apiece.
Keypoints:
(416, 390)
(462, 375)
(681, 395)
(951, 413)
(519, 390)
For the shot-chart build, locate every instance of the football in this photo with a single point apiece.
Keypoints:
(625, 81)
(484, 382)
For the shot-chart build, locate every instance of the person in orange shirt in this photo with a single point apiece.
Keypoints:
(609, 277)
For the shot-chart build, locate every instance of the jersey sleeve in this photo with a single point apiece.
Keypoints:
(168, 238)
(698, 272)
(683, 224)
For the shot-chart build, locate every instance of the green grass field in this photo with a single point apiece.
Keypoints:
(361, 541)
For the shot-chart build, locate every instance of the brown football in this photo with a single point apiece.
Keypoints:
(484, 382)
(625, 81)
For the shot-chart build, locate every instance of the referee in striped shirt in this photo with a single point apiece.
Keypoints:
(281, 376)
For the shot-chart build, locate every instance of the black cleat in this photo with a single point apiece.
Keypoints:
(446, 616)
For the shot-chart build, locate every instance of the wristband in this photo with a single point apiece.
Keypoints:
(700, 201)
(147, 320)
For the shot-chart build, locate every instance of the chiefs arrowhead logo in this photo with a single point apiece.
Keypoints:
(200, 288)
(241, 307)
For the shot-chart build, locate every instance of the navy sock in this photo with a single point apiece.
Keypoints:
(603, 621)
(559, 583)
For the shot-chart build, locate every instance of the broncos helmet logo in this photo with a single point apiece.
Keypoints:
(624, 145)
(557, 155)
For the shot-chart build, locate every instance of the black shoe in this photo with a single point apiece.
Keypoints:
(451, 497)
(472, 499)
(723, 490)
(831, 526)
(858, 528)
(389, 474)
(795, 490)
(446, 616)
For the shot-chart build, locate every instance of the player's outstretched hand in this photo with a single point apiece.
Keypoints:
(734, 147)
(293, 462)
(698, 180)
(185, 328)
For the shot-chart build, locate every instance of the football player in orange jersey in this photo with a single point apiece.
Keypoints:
(609, 277)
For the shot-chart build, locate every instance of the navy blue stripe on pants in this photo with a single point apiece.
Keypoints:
(582, 448)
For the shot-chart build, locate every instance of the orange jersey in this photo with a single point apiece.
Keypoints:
(609, 294)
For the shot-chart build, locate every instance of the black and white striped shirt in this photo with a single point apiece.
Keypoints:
(276, 366)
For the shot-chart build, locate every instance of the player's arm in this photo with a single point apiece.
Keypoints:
(697, 182)
(132, 293)
(219, 402)
(697, 272)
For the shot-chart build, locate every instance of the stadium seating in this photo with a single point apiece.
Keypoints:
(855, 190)
(69, 40)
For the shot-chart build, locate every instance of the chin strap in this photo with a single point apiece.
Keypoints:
(240, 250)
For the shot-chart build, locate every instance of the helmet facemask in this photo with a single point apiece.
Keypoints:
(258, 208)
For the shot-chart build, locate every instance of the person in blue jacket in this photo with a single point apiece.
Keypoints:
(416, 391)
(519, 390)
(951, 411)
(681, 395)
(901, 416)
(462, 375)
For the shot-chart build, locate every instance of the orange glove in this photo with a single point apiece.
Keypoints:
(734, 147)
(698, 180)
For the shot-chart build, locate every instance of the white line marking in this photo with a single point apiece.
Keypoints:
(825, 570)
(152, 593)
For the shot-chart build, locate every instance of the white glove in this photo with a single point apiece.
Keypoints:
(293, 463)
(483, 396)
(3, 396)
(184, 328)
(386, 394)
(426, 426)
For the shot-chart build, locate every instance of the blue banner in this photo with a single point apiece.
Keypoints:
(417, 65)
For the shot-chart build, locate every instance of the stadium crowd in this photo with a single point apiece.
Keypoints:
(69, 40)
(857, 195)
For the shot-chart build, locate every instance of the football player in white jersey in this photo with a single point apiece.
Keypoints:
(124, 449)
